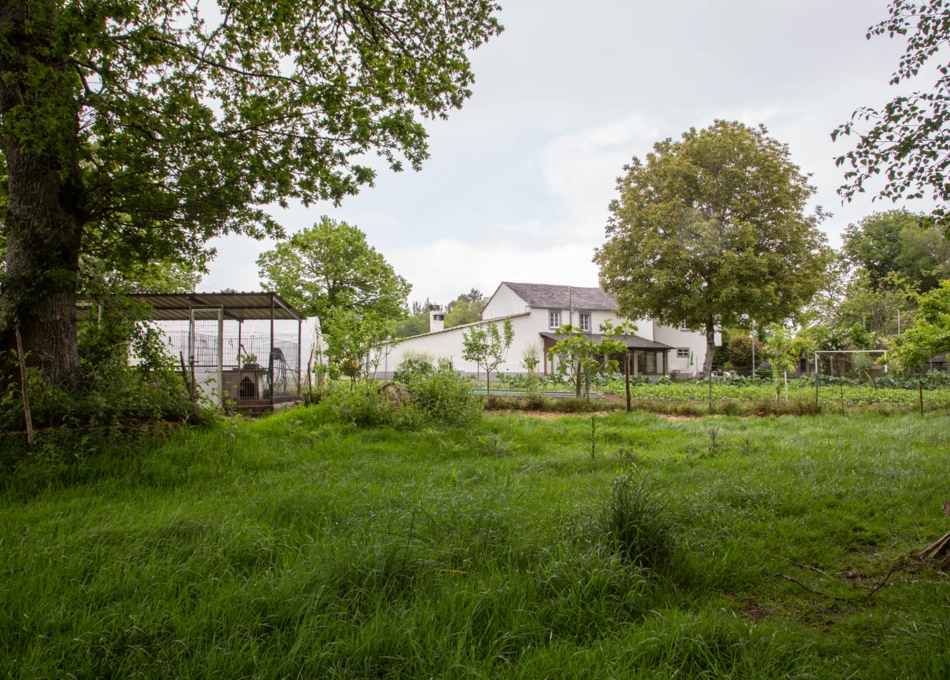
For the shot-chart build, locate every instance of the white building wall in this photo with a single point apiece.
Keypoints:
(447, 344)
(680, 339)
(505, 302)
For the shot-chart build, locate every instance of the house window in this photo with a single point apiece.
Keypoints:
(585, 322)
(683, 326)
(682, 352)
(555, 319)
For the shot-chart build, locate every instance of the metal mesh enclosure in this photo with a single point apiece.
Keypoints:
(237, 370)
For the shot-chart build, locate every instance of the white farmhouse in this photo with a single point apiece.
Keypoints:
(536, 312)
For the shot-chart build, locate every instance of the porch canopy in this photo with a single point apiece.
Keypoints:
(188, 306)
(633, 342)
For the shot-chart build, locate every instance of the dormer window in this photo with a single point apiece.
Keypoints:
(554, 319)
(584, 322)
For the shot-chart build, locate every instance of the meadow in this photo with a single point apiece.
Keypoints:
(623, 546)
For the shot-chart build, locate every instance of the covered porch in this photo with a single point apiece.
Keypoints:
(647, 357)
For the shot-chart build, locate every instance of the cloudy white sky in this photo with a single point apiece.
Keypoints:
(518, 182)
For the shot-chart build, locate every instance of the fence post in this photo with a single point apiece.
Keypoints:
(628, 382)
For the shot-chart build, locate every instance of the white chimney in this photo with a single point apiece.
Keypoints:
(436, 318)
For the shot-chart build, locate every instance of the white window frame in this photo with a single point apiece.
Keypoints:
(581, 318)
(680, 352)
(683, 326)
(554, 319)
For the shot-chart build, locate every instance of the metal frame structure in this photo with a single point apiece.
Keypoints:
(238, 307)
(842, 351)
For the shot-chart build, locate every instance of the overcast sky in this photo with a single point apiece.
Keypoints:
(518, 182)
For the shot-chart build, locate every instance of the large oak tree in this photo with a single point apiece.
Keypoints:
(713, 229)
(132, 131)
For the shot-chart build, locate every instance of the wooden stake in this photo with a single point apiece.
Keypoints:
(24, 390)
(936, 549)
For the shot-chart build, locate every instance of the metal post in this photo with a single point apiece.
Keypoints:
(816, 381)
(710, 389)
(270, 362)
(628, 382)
(753, 348)
(240, 326)
(299, 355)
(221, 355)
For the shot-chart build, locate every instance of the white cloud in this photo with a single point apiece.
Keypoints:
(443, 269)
(580, 169)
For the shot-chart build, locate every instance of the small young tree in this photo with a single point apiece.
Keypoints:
(581, 355)
(487, 346)
(530, 360)
(353, 338)
(779, 350)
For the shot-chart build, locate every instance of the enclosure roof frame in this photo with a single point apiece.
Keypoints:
(259, 306)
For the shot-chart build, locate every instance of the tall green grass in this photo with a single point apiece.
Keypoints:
(297, 546)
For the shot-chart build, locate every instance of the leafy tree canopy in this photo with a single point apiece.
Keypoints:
(416, 323)
(898, 242)
(330, 267)
(930, 335)
(909, 138)
(712, 228)
(466, 308)
(136, 130)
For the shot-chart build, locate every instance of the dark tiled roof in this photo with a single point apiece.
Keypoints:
(633, 341)
(563, 297)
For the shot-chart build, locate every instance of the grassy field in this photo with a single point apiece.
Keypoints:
(295, 546)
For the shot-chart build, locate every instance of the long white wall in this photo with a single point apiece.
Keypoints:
(447, 344)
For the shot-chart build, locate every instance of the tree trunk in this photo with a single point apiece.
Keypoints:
(710, 346)
(45, 214)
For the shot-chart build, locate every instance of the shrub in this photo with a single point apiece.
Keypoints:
(413, 363)
(365, 407)
(443, 395)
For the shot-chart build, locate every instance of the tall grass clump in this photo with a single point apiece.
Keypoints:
(639, 526)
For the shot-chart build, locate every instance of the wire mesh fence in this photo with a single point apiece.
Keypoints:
(243, 371)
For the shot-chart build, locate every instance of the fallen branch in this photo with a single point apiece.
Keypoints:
(900, 566)
(936, 549)
(817, 592)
